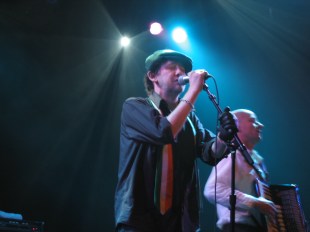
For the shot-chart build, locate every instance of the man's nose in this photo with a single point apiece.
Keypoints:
(260, 125)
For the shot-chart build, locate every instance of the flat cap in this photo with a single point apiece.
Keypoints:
(163, 55)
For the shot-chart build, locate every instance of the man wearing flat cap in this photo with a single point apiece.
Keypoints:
(160, 139)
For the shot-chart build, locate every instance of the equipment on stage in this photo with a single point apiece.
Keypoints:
(10, 225)
(291, 216)
(10, 222)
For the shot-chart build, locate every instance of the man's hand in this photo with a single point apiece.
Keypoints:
(268, 208)
(228, 127)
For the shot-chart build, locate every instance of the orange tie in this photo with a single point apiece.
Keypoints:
(166, 186)
(164, 177)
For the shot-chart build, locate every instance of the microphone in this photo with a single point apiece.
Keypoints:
(184, 79)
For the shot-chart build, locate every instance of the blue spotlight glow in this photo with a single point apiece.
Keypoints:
(156, 28)
(179, 35)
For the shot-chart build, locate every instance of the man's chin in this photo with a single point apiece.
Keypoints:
(179, 89)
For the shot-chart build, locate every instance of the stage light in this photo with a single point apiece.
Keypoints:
(156, 28)
(125, 41)
(179, 35)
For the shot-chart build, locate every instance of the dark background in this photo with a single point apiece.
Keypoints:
(63, 78)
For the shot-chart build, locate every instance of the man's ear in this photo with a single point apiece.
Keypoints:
(151, 76)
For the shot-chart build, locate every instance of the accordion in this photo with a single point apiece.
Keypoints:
(290, 216)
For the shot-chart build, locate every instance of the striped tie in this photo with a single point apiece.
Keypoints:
(166, 186)
(164, 174)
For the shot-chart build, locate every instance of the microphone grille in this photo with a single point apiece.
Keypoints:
(183, 80)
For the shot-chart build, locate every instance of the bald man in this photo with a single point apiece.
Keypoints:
(249, 207)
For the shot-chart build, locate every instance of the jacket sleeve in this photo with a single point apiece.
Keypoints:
(204, 140)
(140, 121)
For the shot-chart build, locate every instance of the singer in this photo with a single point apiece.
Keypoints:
(160, 139)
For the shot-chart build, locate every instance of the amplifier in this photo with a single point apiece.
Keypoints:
(10, 225)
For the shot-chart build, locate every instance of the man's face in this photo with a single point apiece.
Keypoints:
(168, 75)
(250, 128)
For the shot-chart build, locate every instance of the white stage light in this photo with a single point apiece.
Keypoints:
(125, 41)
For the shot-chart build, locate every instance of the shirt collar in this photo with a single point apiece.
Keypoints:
(156, 98)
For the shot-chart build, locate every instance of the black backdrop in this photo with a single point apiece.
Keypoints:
(63, 78)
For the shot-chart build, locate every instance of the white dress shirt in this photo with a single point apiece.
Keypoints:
(245, 192)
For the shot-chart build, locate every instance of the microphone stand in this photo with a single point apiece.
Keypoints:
(239, 145)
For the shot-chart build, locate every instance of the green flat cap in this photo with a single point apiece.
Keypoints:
(163, 55)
